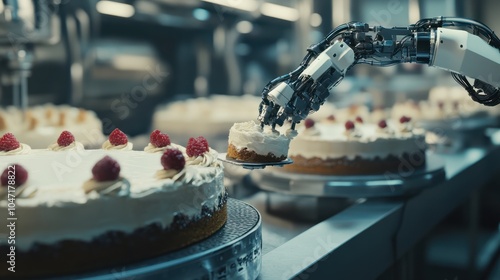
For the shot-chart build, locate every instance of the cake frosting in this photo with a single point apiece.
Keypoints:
(150, 148)
(366, 141)
(40, 125)
(60, 177)
(22, 150)
(356, 147)
(73, 146)
(125, 147)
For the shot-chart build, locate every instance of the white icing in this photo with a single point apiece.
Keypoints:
(150, 148)
(73, 146)
(250, 135)
(333, 142)
(125, 147)
(22, 150)
(61, 209)
(209, 158)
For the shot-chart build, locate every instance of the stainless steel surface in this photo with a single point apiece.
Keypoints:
(234, 252)
(253, 165)
(379, 231)
(385, 185)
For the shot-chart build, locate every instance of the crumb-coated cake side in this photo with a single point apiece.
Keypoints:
(248, 142)
(82, 210)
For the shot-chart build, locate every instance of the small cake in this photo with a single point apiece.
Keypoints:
(248, 142)
(356, 147)
(94, 208)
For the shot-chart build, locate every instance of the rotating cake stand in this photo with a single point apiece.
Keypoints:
(363, 186)
(234, 252)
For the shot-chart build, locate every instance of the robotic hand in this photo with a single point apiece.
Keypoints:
(462, 46)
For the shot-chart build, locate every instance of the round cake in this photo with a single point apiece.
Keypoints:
(72, 210)
(356, 148)
(248, 142)
(40, 125)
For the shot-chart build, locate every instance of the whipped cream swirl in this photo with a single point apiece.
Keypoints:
(118, 187)
(125, 147)
(23, 191)
(73, 146)
(312, 131)
(22, 150)
(150, 148)
(207, 159)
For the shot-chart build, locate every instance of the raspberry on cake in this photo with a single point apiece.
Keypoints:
(160, 142)
(197, 146)
(159, 139)
(173, 163)
(199, 153)
(66, 141)
(14, 175)
(106, 179)
(10, 146)
(117, 141)
(248, 142)
(13, 181)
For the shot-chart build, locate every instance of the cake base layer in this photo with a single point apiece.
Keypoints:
(250, 156)
(115, 247)
(356, 166)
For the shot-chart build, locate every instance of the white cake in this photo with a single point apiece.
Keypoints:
(61, 212)
(41, 125)
(333, 149)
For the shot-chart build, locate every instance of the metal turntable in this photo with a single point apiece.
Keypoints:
(362, 186)
(234, 252)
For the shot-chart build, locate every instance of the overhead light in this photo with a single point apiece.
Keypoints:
(246, 5)
(201, 14)
(117, 9)
(244, 27)
(279, 12)
(315, 20)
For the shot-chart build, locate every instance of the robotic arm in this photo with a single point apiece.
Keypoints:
(462, 46)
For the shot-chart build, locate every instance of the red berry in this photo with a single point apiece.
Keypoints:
(331, 118)
(382, 124)
(117, 137)
(107, 169)
(349, 125)
(197, 146)
(441, 104)
(309, 123)
(173, 159)
(359, 119)
(65, 139)
(8, 142)
(20, 175)
(159, 139)
(404, 119)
